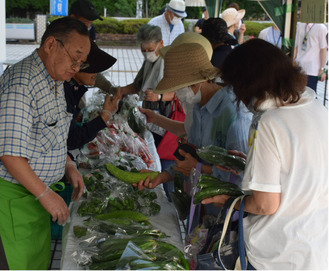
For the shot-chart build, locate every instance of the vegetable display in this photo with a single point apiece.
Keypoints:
(219, 156)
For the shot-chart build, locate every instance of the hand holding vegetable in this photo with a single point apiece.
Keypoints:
(163, 177)
(235, 153)
(150, 114)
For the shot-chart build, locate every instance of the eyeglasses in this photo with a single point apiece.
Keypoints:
(75, 64)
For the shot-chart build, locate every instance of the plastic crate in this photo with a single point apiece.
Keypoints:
(56, 230)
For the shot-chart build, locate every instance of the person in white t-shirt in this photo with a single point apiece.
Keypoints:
(311, 51)
(286, 174)
(170, 21)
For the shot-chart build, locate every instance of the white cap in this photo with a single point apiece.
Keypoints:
(177, 7)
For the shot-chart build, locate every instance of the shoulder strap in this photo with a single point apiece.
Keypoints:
(226, 223)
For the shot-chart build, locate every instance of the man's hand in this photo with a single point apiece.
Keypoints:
(55, 205)
(76, 180)
(187, 164)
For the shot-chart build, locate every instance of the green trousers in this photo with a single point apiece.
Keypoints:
(24, 228)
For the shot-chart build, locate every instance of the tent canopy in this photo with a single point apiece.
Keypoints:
(195, 3)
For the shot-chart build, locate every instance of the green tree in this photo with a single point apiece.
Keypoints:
(152, 8)
(126, 8)
(21, 8)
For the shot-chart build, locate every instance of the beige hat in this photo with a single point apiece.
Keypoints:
(189, 37)
(232, 16)
(185, 65)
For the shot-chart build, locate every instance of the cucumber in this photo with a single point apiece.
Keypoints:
(218, 156)
(136, 216)
(213, 191)
(130, 177)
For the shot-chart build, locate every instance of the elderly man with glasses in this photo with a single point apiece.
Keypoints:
(33, 153)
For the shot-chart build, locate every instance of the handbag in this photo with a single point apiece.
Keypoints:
(230, 251)
(169, 144)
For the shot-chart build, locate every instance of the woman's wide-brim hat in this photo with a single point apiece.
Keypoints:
(232, 16)
(185, 65)
(189, 37)
(98, 60)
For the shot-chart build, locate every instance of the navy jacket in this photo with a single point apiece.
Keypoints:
(79, 135)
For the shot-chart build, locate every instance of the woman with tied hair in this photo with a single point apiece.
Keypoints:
(286, 174)
(215, 30)
(150, 39)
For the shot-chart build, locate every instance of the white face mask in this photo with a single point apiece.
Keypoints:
(175, 20)
(186, 95)
(151, 56)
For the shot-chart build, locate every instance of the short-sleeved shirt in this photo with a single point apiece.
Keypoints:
(34, 120)
(271, 35)
(288, 154)
(167, 35)
(309, 59)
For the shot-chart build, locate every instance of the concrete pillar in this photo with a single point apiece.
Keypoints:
(41, 24)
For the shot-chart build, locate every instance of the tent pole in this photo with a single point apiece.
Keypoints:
(216, 15)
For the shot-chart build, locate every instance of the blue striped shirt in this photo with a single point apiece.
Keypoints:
(34, 120)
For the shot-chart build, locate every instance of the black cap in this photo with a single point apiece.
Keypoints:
(98, 60)
(85, 9)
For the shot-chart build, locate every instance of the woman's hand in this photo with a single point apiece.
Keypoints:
(150, 96)
(110, 106)
(187, 164)
(236, 153)
(218, 200)
(161, 178)
(150, 114)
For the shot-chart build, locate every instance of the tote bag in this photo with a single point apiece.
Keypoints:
(230, 254)
(169, 144)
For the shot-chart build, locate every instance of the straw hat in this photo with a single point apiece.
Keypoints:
(232, 16)
(185, 65)
(177, 7)
(189, 37)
